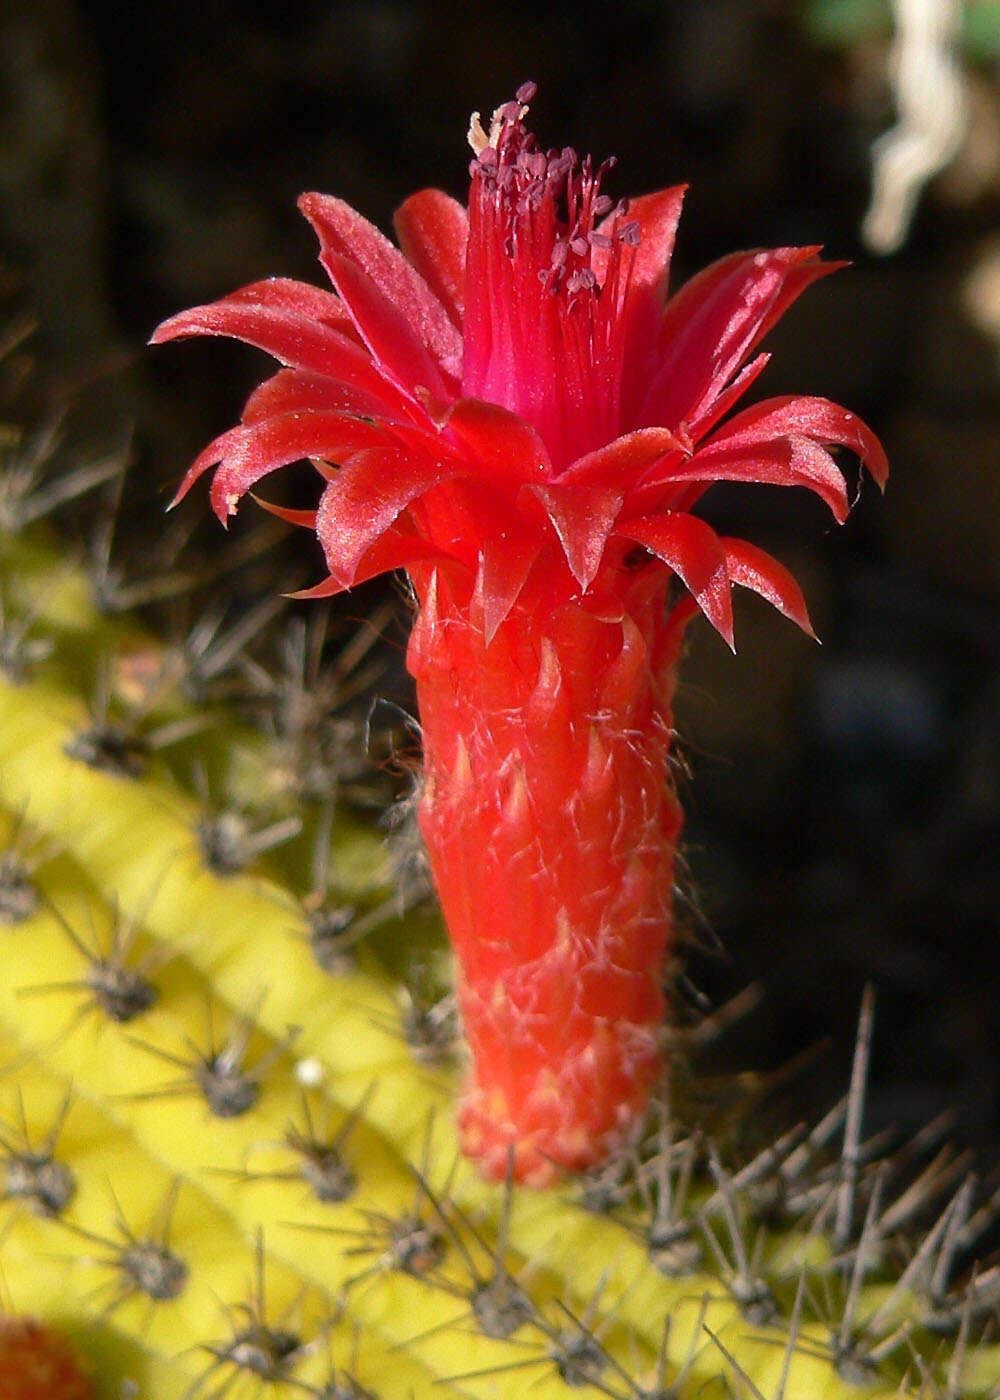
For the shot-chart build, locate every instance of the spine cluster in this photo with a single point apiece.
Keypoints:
(226, 1170)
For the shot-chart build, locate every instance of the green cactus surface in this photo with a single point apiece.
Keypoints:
(227, 1161)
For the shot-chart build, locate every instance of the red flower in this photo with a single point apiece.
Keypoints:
(37, 1363)
(512, 410)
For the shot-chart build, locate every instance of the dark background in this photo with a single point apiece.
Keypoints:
(844, 803)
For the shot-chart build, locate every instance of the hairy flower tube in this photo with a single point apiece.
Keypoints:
(514, 411)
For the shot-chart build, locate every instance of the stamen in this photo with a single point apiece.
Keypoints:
(543, 322)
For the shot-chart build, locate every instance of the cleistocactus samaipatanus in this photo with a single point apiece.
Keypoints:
(517, 413)
(228, 1164)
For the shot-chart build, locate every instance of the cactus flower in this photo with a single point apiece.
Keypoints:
(37, 1363)
(513, 410)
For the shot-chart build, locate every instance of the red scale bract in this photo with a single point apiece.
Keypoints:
(514, 410)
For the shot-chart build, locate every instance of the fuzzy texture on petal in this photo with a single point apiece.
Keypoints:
(697, 556)
(713, 323)
(345, 236)
(755, 569)
(365, 498)
(284, 438)
(433, 230)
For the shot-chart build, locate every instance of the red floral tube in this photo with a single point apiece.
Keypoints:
(551, 825)
(514, 410)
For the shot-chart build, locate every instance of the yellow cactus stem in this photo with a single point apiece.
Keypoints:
(226, 1173)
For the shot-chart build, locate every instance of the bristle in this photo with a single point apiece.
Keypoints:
(228, 1083)
(378, 1266)
(33, 1173)
(142, 1265)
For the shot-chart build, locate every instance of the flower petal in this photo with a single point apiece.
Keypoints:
(393, 550)
(274, 294)
(433, 231)
(711, 325)
(343, 233)
(501, 442)
(216, 451)
(816, 418)
(504, 564)
(365, 497)
(305, 518)
(621, 462)
(277, 441)
(733, 392)
(657, 215)
(583, 517)
(329, 588)
(291, 337)
(386, 330)
(696, 554)
(756, 569)
(786, 461)
(288, 293)
(295, 390)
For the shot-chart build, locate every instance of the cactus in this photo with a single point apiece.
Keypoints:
(228, 1165)
(226, 1170)
(512, 408)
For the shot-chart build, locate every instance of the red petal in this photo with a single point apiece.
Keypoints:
(755, 568)
(463, 512)
(343, 233)
(317, 303)
(711, 325)
(272, 297)
(696, 554)
(365, 497)
(504, 565)
(657, 215)
(418, 439)
(292, 390)
(433, 231)
(285, 333)
(733, 392)
(294, 339)
(287, 438)
(305, 518)
(503, 443)
(396, 348)
(327, 589)
(788, 461)
(215, 452)
(814, 418)
(583, 517)
(394, 550)
(621, 462)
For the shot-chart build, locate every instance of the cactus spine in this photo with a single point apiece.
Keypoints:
(223, 1171)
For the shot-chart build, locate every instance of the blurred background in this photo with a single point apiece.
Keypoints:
(844, 801)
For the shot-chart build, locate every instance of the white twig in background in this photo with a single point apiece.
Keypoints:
(933, 115)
